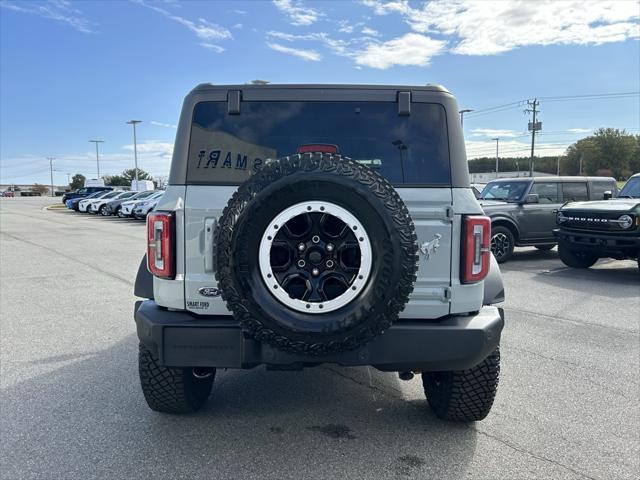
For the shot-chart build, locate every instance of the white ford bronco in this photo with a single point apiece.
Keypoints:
(311, 224)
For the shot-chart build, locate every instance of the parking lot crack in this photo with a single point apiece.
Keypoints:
(69, 257)
(571, 320)
(534, 455)
(362, 383)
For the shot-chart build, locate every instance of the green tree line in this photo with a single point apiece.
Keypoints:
(609, 152)
(122, 180)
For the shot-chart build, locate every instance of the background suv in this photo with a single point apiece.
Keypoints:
(523, 210)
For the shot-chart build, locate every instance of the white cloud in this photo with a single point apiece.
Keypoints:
(152, 148)
(492, 27)
(212, 47)
(345, 27)
(490, 132)
(579, 130)
(338, 47)
(202, 28)
(57, 10)
(311, 55)
(160, 124)
(513, 148)
(410, 49)
(298, 14)
(238, 26)
(370, 32)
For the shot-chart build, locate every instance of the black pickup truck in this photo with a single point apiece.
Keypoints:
(603, 229)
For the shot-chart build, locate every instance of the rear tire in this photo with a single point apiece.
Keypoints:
(502, 243)
(171, 390)
(576, 258)
(103, 211)
(464, 395)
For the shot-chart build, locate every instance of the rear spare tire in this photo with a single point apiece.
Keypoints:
(316, 254)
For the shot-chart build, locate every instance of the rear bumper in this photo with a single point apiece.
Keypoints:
(599, 243)
(181, 339)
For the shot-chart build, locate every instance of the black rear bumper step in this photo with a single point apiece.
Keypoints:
(182, 339)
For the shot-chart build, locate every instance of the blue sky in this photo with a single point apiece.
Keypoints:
(74, 71)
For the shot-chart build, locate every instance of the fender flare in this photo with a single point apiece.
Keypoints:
(508, 221)
(493, 286)
(144, 281)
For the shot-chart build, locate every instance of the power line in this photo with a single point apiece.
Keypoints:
(557, 98)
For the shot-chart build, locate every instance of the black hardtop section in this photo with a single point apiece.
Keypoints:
(318, 93)
(353, 88)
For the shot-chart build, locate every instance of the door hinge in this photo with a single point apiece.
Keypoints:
(404, 103)
(446, 294)
(233, 102)
(449, 212)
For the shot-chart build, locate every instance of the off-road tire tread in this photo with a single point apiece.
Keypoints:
(570, 259)
(171, 390)
(379, 321)
(465, 395)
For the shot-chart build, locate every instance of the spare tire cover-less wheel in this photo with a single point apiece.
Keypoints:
(316, 254)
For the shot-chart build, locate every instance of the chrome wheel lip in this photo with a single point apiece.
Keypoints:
(276, 289)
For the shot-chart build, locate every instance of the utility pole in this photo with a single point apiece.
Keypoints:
(51, 159)
(580, 168)
(558, 168)
(135, 146)
(462, 112)
(97, 155)
(534, 126)
(69, 178)
(497, 142)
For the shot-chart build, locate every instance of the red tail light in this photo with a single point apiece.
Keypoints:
(320, 147)
(475, 248)
(161, 259)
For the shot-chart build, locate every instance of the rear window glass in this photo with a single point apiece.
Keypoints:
(226, 149)
(574, 191)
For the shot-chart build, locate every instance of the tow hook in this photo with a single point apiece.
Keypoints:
(202, 372)
(405, 375)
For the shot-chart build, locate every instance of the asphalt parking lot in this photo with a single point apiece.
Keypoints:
(568, 405)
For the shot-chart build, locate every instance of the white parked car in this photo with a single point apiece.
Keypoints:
(100, 205)
(141, 209)
(126, 208)
(84, 205)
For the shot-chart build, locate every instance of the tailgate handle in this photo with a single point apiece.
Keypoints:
(209, 243)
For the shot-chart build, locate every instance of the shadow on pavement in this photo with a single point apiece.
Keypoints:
(87, 419)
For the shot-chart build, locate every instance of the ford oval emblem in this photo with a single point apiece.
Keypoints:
(209, 291)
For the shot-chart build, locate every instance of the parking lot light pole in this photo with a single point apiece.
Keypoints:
(462, 112)
(51, 159)
(135, 147)
(497, 143)
(97, 155)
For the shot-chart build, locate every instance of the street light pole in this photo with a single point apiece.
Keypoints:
(497, 142)
(51, 159)
(135, 147)
(97, 155)
(462, 112)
